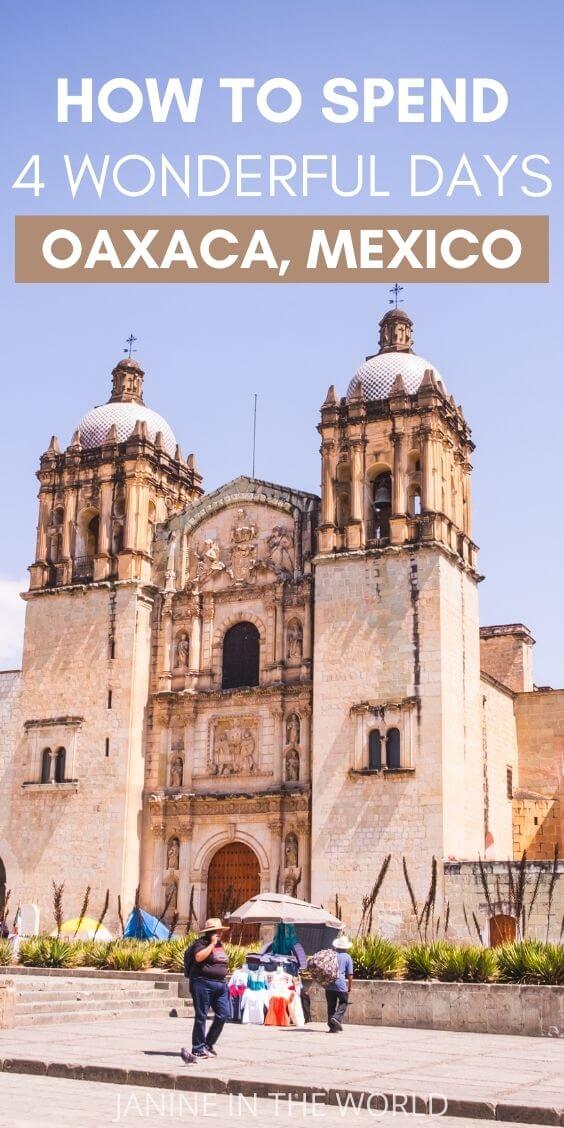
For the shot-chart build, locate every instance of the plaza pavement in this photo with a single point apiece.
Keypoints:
(481, 1075)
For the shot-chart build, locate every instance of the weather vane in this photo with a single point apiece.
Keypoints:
(130, 343)
(396, 290)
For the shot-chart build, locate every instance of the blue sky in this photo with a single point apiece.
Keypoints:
(207, 349)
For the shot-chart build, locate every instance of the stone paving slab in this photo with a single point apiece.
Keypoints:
(50, 1102)
(482, 1076)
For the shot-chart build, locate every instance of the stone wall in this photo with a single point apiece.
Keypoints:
(506, 655)
(464, 890)
(484, 1008)
(500, 766)
(10, 682)
(393, 628)
(84, 831)
(539, 803)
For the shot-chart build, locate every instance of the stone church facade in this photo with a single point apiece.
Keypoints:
(258, 688)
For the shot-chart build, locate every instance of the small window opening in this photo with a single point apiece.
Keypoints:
(374, 751)
(109, 699)
(107, 746)
(510, 783)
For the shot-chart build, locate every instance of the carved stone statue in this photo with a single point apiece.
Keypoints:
(173, 854)
(293, 729)
(281, 549)
(171, 554)
(295, 636)
(176, 772)
(292, 766)
(182, 651)
(171, 895)
(233, 750)
(292, 874)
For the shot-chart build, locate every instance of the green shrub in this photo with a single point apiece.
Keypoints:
(94, 953)
(49, 951)
(374, 957)
(466, 963)
(6, 953)
(421, 960)
(530, 961)
(170, 953)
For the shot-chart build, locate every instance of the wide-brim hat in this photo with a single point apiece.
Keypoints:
(213, 924)
(342, 943)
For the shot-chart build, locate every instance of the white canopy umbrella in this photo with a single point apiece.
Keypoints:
(271, 908)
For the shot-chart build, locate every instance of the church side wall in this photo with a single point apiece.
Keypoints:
(377, 636)
(463, 814)
(84, 832)
(500, 754)
(10, 682)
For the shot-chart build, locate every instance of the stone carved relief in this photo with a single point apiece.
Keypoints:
(234, 747)
(171, 876)
(243, 548)
(294, 641)
(208, 560)
(280, 554)
(292, 872)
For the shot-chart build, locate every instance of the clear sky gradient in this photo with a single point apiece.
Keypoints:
(207, 349)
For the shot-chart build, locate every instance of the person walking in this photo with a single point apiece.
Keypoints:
(337, 993)
(205, 966)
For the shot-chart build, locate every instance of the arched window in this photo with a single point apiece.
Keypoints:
(60, 763)
(241, 656)
(414, 501)
(374, 751)
(382, 505)
(46, 765)
(393, 748)
(92, 532)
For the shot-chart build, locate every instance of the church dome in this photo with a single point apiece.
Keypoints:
(375, 378)
(94, 426)
(123, 410)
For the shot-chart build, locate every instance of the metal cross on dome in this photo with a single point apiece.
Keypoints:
(130, 341)
(396, 290)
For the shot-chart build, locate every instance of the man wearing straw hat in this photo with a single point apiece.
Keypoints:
(205, 966)
(337, 992)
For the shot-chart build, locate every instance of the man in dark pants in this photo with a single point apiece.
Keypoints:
(337, 993)
(205, 965)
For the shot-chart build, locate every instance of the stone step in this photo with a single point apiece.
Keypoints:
(108, 1002)
(74, 1015)
(102, 991)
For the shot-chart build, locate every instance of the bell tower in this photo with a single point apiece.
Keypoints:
(396, 759)
(87, 645)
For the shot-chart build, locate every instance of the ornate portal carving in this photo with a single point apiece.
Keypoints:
(234, 747)
(208, 560)
(292, 873)
(243, 548)
(293, 729)
(182, 652)
(292, 762)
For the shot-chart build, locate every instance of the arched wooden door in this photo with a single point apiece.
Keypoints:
(503, 930)
(233, 877)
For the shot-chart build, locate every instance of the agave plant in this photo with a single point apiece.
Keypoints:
(95, 953)
(6, 953)
(421, 960)
(530, 961)
(374, 957)
(127, 956)
(49, 951)
(466, 963)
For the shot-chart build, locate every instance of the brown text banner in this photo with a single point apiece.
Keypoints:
(281, 248)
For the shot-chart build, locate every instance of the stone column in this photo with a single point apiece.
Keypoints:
(130, 529)
(159, 849)
(183, 903)
(399, 498)
(427, 500)
(104, 539)
(166, 622)
(327, 487)
(68, 521)
(356, 481)
(196, 642)
(279, 742)
(305, 743)
(41, 546)
(276, 855)
(279, 638)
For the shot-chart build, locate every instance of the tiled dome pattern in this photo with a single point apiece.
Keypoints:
(376, 376)
(95, 424)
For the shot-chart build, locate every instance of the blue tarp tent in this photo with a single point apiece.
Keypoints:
(142, 926)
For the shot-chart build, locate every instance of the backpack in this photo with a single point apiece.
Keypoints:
(189, 958)
(323, 967)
